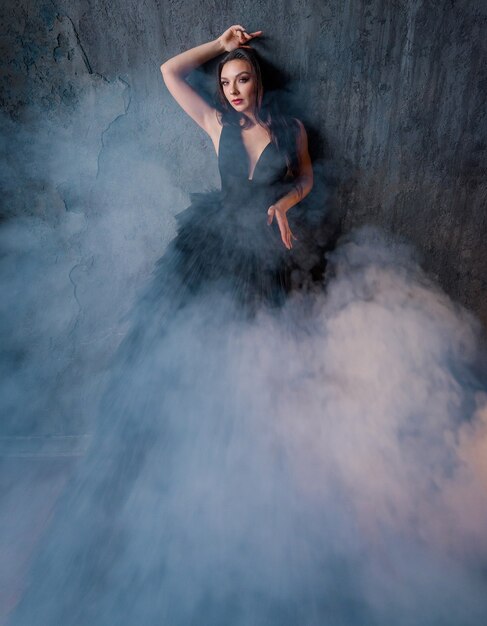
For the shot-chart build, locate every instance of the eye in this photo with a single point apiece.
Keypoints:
(224, 82)
(244, 80)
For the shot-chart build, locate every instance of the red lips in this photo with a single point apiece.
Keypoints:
(237, 100)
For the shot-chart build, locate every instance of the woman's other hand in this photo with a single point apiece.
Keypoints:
(236, 37)
(281, 218)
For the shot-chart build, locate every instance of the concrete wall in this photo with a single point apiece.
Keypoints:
(98, 158)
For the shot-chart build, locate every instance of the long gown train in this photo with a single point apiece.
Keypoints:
(186, 509)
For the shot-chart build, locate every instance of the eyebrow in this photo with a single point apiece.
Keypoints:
(243, 72)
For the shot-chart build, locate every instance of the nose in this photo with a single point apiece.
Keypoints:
(234, 89)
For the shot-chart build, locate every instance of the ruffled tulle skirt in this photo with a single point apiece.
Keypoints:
(229, 248)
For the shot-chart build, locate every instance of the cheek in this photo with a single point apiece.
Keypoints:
(251, 90)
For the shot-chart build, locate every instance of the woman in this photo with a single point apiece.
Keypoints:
(265, 170)
(185, 510)
(241, 94)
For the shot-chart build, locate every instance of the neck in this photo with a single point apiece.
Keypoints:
(252, 117)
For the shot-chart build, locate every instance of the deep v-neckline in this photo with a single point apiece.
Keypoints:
(257, 162)
(244, 150)
(248, 157)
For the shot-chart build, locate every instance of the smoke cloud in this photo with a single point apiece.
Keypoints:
(320, 464)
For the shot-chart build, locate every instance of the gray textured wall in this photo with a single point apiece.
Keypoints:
(98, 158)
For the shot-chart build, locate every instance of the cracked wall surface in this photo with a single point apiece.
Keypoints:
(98, 158)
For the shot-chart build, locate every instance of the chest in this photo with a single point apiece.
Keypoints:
(254, 141)
(249, 155)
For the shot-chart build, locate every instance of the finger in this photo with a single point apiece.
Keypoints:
(290, 237)
(283, 227)
(240, 30)
(284, 238)
(270, 216)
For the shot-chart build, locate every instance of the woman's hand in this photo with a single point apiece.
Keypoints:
(236, 37)
(281, 218)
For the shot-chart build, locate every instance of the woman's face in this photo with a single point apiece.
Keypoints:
(239, 85)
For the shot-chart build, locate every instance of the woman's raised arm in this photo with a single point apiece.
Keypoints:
(175, 70)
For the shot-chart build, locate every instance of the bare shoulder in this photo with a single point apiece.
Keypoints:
(219, 117)
(214, 128)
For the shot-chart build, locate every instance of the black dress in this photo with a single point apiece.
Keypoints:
(185, 511)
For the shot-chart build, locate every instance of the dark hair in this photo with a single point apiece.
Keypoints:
(283, 129)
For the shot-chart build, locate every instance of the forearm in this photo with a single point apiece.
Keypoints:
(300, 190)
(182, 64)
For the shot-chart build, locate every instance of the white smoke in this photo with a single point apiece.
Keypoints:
(324, 461)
